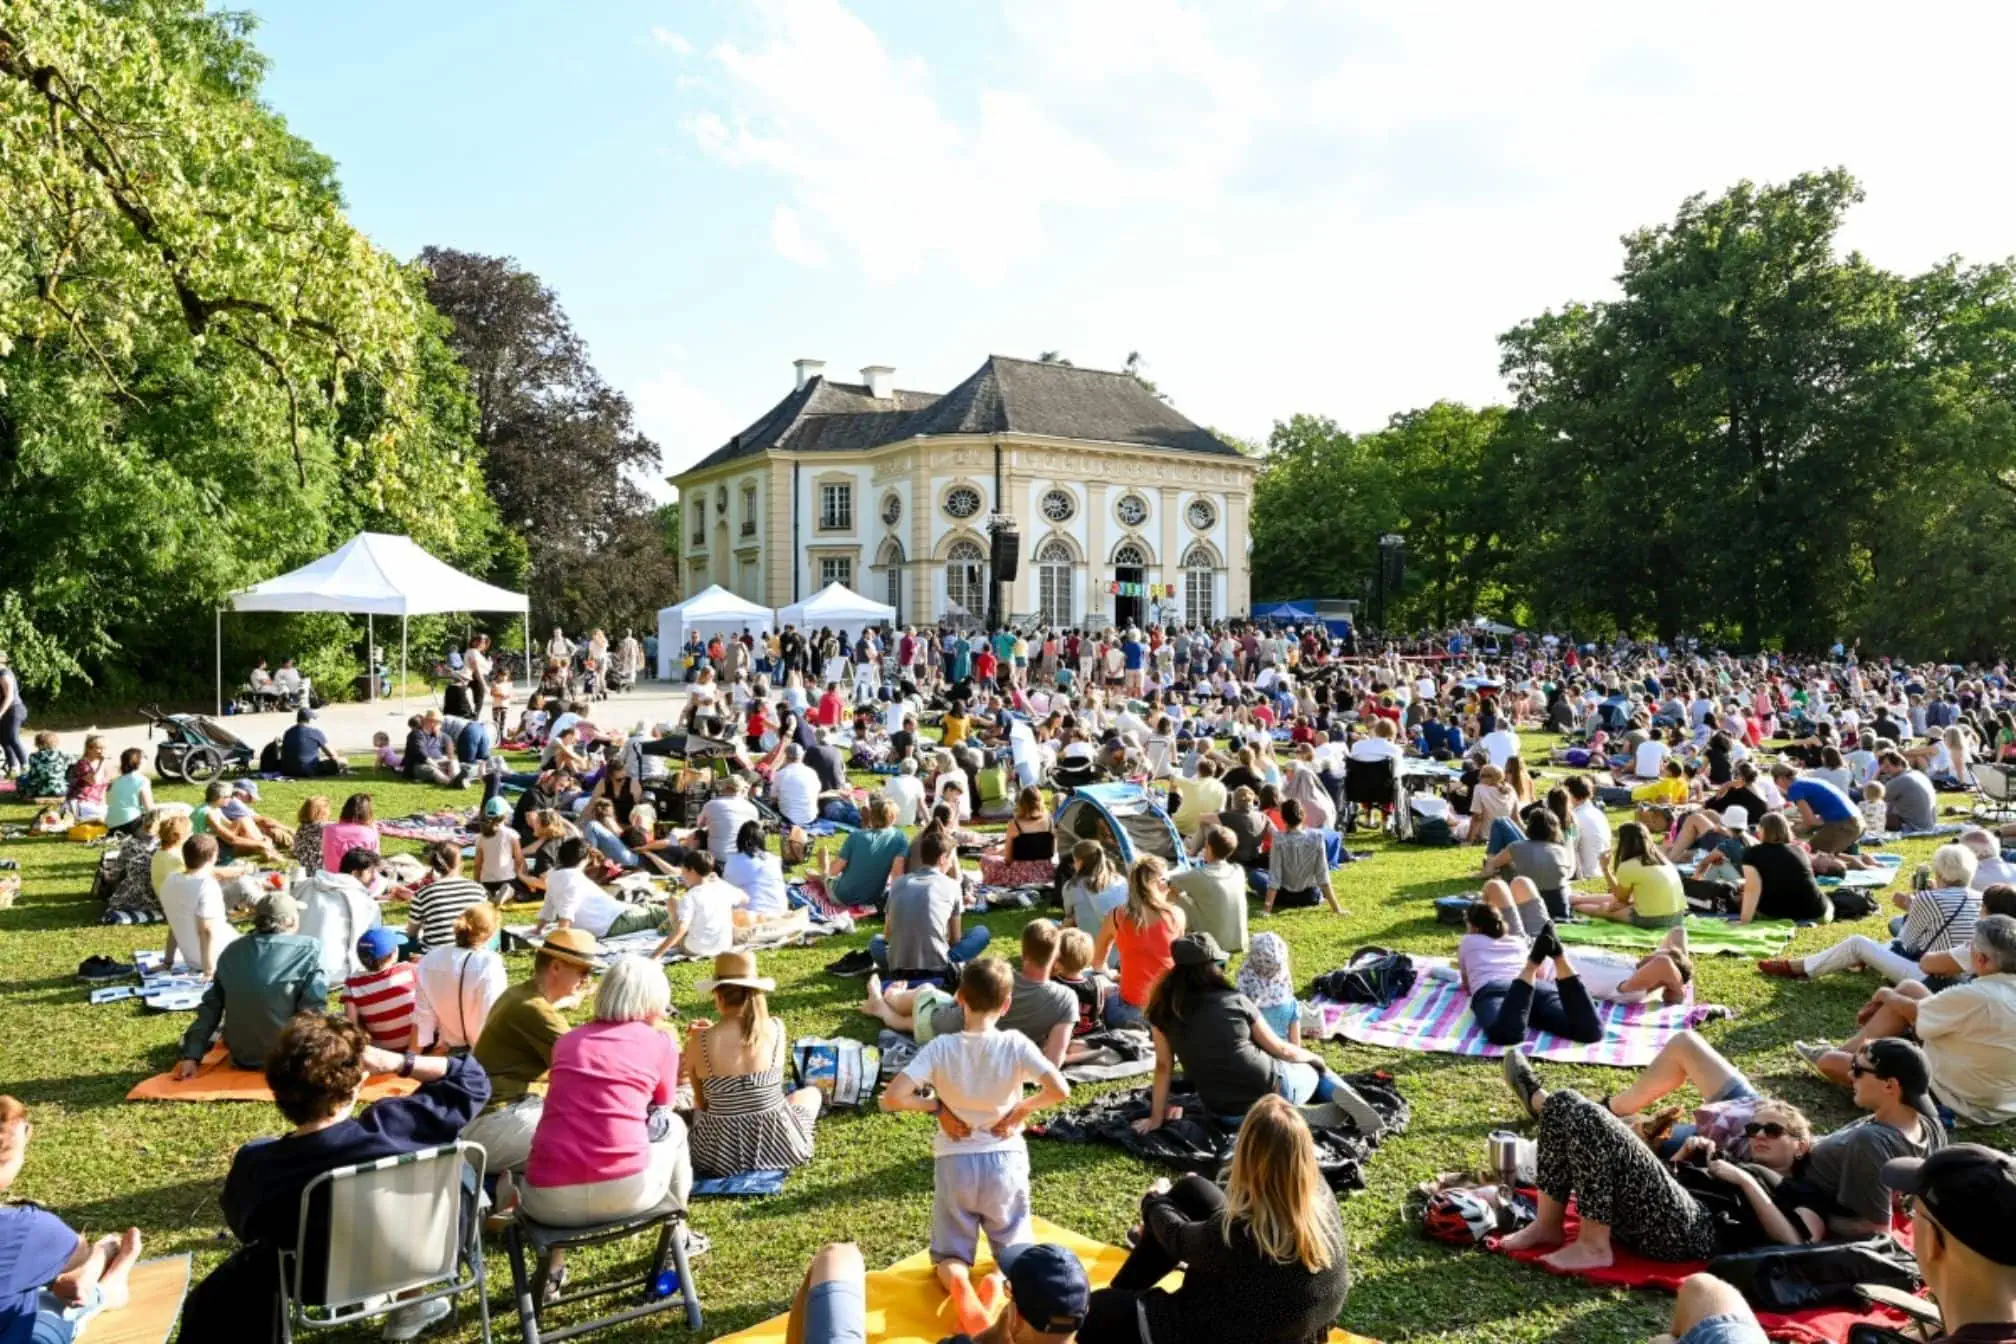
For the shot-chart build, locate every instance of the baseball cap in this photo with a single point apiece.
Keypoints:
(246, 788)
(1049, 1289)
(1196, 949)
(276, 908)
(497, 807)
(1969, 1190)
(1902, 1063)
(378, 942)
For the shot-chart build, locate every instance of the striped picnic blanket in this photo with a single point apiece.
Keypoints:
(1435, 1016)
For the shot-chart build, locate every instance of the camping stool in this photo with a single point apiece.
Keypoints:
(527, 1238)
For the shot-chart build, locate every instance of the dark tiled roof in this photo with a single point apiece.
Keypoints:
(1005, 396)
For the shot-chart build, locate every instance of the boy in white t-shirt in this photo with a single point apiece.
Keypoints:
(705, 924)
(980, 1175)
(199, 926)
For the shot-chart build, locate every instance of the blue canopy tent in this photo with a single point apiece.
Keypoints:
(1125, 818)
(1301, 611)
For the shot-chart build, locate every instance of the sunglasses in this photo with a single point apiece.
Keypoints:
(1766, 1129)
(1857, 1069)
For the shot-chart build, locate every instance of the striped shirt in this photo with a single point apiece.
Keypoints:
(439, 904)
(383, 1002)
(1940, 920)
(1299, 861)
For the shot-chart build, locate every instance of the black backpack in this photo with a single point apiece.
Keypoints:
(1373, 975)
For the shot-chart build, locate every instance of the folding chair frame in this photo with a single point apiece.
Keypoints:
(529, 1280)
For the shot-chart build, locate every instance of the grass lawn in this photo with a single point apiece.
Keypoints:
(104, 1163)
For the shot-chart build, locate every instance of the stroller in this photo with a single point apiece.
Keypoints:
(198, 749)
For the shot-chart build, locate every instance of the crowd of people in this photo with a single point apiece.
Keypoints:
(1256, 745)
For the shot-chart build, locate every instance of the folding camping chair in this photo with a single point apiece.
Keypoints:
(531, 1243)
(384, 1228)
(1997, 794)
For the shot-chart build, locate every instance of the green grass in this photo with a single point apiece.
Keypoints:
(103, 1163)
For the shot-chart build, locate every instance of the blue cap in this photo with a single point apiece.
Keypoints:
(377, 943)
(497, 807)
(1049, 1289)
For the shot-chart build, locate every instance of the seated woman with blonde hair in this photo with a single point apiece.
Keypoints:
(457, 986)
(743, 1120)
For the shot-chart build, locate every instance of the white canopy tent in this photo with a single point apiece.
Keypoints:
(839, 608)
(713, 611)
(373, 574)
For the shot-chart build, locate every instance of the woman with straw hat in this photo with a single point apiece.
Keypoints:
(742, 1118)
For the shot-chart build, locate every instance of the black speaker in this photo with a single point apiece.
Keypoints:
(1007, 553)
(1396, 569)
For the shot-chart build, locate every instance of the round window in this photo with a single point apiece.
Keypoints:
(1201, 514)
(892, 509)
(962, 502)
(1058, 505)
(1132, 509)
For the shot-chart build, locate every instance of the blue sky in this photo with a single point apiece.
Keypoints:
(1284, 205)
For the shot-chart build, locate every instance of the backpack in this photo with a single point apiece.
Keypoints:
(1373, 975)
(1852, 903)
(1430, 831)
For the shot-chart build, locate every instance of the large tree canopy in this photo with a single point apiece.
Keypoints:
(560, 446)
(206, 374)
(1761, 439)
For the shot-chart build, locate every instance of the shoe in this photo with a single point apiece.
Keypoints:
(1781, 968)
(1519, 1076)
(1546, 945)
(416, 1320)
(697, 1242)
(1811, 1051)
(853, 965)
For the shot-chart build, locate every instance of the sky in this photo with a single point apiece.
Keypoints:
(1284, 206)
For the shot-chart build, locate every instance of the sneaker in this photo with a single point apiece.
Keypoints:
(853, 965)
(1519, 1076)
(1811, 1051)
(1546, 945)
(1781, 968)
(416, 1320)
(697, 1242)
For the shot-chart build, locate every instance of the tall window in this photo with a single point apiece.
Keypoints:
(1054, 584)
(699, 522)
(836, 569)
(1198, 576)
(836, 508)
(748, 510)
(966, 577)
(891, 561)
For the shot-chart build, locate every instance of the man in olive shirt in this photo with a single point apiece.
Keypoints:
(261, 983)
(1212, 894)
(1038, 1006)
(516, 1047)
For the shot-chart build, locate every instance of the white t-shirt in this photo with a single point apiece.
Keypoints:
(1650, 756)
(980, 1076)
(723, 819)
(797, 789)
(1990, 871)
(1501, 745)
(1375, 749)
(1592, 839)
(189, 900)
(708, 908)
(573, 896)
(761, 878)
(907, 792)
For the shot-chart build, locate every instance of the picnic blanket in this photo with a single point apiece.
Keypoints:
(1816, 1325)
(447, 824)
(217, 1079)
(1435, 1016)
(906, 1305)
(785, 932)
(1892, 837)
(154, 1293)
(763, 1181)
(1705, 934)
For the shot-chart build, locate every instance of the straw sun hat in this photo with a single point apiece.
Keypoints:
(736, 968)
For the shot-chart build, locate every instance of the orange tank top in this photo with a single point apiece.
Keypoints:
(1144, 955)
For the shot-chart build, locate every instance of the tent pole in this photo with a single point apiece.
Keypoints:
(220, 662)
(403, 693)
(370, 660)
(530, 680)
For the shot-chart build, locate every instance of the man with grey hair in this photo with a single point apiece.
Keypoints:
(1968, 1032)
(262, 981)
(795, 787)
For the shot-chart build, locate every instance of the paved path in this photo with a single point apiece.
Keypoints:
(349, 726)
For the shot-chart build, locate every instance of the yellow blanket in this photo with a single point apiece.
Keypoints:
(906, 1305)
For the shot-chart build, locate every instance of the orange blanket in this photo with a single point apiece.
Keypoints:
(217, 1079)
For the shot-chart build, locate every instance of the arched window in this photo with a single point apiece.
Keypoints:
(1130, 554)
(966, 577)
(891, 562)
(1055, 582)
(1199, 573)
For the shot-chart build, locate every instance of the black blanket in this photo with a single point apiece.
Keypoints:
(1196, 1143)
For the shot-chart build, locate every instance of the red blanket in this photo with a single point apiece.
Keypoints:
(1820, 1325)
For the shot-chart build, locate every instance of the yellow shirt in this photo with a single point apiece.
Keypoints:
(1664, 789)
(955, 729)
(1654, 889)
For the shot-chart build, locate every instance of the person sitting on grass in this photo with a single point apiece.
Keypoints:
(47, 774)
(457, 985)
(1938, 919)
(1089, 988)
(576, 900)
(924, 934)
(129, 798)
(241, 832)
(1646, 890)
(1963, 1202)
(1142, 932)
(1038, 1007)
(380, 996)
(1298, 865)
(706, 921)
(262, 981)
(52, 1280)
(743, 1119)
(976, 1078)
(336, 909)
(1628, 1193)
(317, 1067)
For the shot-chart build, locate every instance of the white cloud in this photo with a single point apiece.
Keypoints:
(1290, 205)
(788, 236)
(665, 37)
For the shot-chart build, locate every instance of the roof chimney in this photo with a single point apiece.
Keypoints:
(881, 380)
(808, 369)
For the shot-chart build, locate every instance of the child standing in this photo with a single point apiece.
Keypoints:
(380, 998)
(980, 1176)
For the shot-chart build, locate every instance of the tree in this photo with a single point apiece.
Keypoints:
(204, 369)
(559, 446)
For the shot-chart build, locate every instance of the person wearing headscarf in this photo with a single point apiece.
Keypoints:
(1264, 978)
(1318, 811)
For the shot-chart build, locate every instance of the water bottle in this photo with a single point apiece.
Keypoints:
(665, 1285)
(1921, 877)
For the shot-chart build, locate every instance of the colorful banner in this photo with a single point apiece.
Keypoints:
(1118, 589)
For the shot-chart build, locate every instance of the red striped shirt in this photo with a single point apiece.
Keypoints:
(383, 1000)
